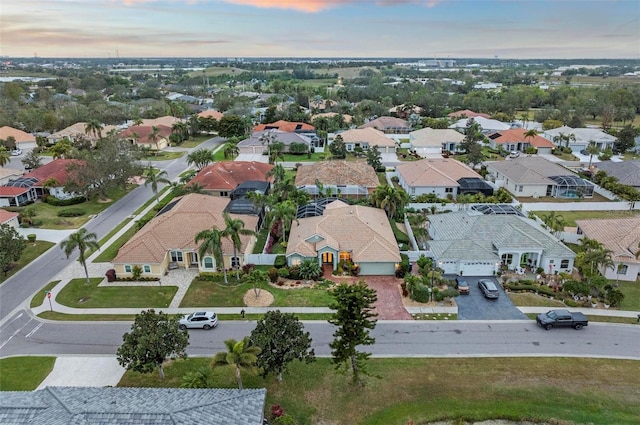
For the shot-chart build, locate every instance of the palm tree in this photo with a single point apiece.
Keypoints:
(155, 137)
(592, 149)
(181, 129)
(5, 156)
(240, 354)
(276, 151)
(212, 244)
(82, 241)
(278, 173)
(390, 199)
(554, 222)
(234, 227)
(530, 134)
(285, 212)
(200, 158)
(194, 187)
(231, 150)
(94, 127)
(154, 178)
(61, 149)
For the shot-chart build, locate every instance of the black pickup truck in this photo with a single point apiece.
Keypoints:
(557, 318)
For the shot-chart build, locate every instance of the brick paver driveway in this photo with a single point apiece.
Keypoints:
(389, 305)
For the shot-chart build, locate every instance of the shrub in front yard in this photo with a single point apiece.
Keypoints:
(273, 274)
(52, 200)
(71, 212)
(31, 237)
(421, 294)
(280, 261)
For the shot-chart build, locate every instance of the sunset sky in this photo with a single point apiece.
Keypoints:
(321, 28)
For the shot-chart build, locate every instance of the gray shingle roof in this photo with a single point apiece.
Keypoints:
(133, 406)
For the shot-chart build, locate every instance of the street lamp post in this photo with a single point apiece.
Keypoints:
(433, 270)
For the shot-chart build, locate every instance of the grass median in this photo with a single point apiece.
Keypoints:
(556, 390)
(77, 294)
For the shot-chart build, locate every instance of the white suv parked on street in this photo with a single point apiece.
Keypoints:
(199, 319)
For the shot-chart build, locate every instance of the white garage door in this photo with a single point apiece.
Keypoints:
(476, 268)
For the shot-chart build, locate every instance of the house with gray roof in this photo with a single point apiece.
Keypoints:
(120, 406)
(532, 176)
(627, 172)
(474, 244)
(259, 141)
(582, 137)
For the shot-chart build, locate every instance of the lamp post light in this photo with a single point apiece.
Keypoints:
(433, 270)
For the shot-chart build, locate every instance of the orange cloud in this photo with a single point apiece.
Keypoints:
(301, 5)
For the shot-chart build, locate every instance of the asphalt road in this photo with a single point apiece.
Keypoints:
(21, 286)
(25, 335)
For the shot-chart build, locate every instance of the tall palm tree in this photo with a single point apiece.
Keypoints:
(530, 134)
(212, 244)
(61, 149)
(278, 173)
(592, 149)
(5, 156)
(154, 178)
(240, 354)
(155, 137)
(181, 129)
(194, 187)
(390, 199)
(200, 158)
(554, 222)
(234, 227)
(285, 212)
(82, 241)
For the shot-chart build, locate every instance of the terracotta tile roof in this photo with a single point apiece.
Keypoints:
(143, 132)
(286, 126)
(467, 113)
(211, 113)
(620, 235)
(337, 173)
(177, 227)
(56, 169)
(364, 231)
(19, 135)
(167, 120)
(10, 191)
(435, 137)
(369, 135)
(434, 172)
(517, 135)
(346, 117)
(383, 123)
(5, 216)
(226, 175)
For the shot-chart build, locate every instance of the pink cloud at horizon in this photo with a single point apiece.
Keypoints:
(318, 5)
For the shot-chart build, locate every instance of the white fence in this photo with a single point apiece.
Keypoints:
(260, 259)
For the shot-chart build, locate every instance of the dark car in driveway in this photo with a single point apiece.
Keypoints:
(488, 288)
(462, 285)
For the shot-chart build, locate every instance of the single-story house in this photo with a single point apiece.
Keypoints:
(467, 113)
(56, 171)
(211, 113)
(23, 139)
(583, 137)
(16, 196)
(352, 233)
(9, 218)
(516, 140)
(79, 131)
(430, 143)
(169, 238)
(487, 125)
(627, 172)
(366, 138)
(346, 117)
(258, 142)
(403, 111)
(440, 176)
(141, 135)
(286, 126)
(167, 121)
(388, 125)
(622, 237)
(119, 405)
(534, 176)
(474, 244)
(345, 177)
(221, 178)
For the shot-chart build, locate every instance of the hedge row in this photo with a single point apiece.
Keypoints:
(52, 200)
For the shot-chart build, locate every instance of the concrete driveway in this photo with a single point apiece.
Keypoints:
(476, 307)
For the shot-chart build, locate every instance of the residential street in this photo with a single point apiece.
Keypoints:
(393, 338)
(20, 287)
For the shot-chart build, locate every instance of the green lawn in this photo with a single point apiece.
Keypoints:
(77, 294)
(207, 294)
(420, 391)
(47, 215)
(196, 141)
(39, 297)
(631, 292)
(24, 373)
(32, 251)
(570, 217)
(162, 156)
(109, 253)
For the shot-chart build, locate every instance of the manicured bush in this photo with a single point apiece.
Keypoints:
(283, 272)
(404, 267)
(246, 268)
(273, 274)
(298, 148)
(280, 261)
(71, 212)
(52, 200)
(294, 272)
(31, 237)
(421, 294)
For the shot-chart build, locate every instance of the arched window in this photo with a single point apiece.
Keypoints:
(207, 262)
